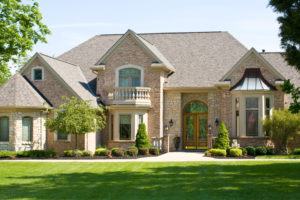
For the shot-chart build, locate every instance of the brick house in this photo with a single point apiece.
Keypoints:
(178, 84)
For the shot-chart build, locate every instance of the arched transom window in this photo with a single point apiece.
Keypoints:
(196, 107)
(129, 77)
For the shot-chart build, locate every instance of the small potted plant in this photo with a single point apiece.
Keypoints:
(177, 142)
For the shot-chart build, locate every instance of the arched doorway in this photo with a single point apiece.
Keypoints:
(195, 125)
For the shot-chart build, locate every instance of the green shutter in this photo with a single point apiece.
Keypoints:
(26, 129)
(4, 129)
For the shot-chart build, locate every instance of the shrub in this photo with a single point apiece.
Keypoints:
(142, 140)
(296, 151)
(270, 151)
(236, 152)
(244, 151)
(77, 153)
(101, 147)
(68, 153)
(218, 152)
(260, 151)
(207, 153)
(222, 141)
(98, 151)
(7, 154)
(87, 153)
(282, 125)
(154, 151)
(132, 152)
(132, 147)
(118, 153)
(105, 152)
(113, 149)
(250, 150)
(51, 153)
(228, 151)
(143, 151)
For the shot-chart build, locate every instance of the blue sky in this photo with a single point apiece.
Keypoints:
(74, 21)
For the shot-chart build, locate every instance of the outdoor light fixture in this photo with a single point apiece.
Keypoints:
(217, 121)
(171, 122)
(166, 128)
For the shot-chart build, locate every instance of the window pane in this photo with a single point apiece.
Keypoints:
(130, 72)
(61, 136)
(190, 128)
(203, 127)
(26, 129)
(140, 119)
(196, 107)
(37, 74)
(251, 123)
(135, 82)
(125, 127)
(4, 129)
(129, 78)
(267, 103)
(252, 102)
(111, 127)
(123, 82)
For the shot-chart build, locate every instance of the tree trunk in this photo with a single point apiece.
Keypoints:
(281, 148)
(76, 141)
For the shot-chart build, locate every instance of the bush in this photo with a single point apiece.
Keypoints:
(218, 152)
(154, 151)
(236, 152)
(113, 149)
(37, 153)
(222, 141)
(132, 147)
(143, 151)
(7, 154)
(207, 153)
(250, 150)
(77, 153)
(244, 151)
(142, 140)
(68, 153)
(105, 152)
(51, 153)
(98, 151)
(118, 152)
(296, 151)
(260, 151)
(132, 152)
(228, 151)
(87, 153)
(270, 151)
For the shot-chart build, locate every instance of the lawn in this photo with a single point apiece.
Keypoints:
(145, 180)
(278, 157)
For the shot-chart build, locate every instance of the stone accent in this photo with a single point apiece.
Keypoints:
(120, 144)
(262, 141)
(15, 130)
(166, 143)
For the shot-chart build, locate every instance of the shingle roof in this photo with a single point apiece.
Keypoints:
(199, 58)
(17, 92)
(73, 77)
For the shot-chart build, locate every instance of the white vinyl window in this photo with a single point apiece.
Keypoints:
(4, 129)
(37, 73)
(252, 116)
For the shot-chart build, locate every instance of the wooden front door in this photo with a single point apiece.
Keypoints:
(195, 126)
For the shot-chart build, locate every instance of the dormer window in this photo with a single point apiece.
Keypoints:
(37, 73)
(129, 77)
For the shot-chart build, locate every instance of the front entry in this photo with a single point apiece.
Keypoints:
(195, 125)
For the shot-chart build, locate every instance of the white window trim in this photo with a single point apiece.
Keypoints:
(32, 73)
(57, 140)
(242, 112)
(117, 70)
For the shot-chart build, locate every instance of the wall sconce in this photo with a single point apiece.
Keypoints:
(217, 121)
(171, 123)
(166, 128)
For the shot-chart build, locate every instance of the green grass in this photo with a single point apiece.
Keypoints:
(278, 157)
(143, 180)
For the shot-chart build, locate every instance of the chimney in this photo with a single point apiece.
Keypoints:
(263, 51)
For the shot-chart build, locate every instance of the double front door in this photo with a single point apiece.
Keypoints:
(195, 131)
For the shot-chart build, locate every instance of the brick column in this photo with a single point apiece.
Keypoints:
(166, 144)
(209, 141)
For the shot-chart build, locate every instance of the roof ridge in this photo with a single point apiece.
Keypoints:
(188, 32)
(57, 59)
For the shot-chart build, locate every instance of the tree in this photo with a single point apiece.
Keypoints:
(282, 125)
(142, 140)
(76, 117)
(222, 141)
(290, 41)
(20, 29)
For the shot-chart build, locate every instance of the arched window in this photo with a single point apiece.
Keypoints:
(129, 77)
(196, 107)
(4, 129)
(26, 129)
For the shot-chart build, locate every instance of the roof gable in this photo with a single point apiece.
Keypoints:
(156, 55)
(251, 52)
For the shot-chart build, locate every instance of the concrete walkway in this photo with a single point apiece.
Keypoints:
(168, 157)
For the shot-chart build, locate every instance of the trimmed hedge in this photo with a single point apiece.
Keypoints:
(118, 153)
(37, 153)
(218, 152)
(270, 151)
(250, 150)
(296, 151)
(154, 151)
(143, 151)
(105, 152)
(87, 153)
(7, 154)
(133, 147)
(68, 153)
(98, 151)
(260, 151)
(132, 152)
(236, 152)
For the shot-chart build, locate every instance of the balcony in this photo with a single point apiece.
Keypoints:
(130, 96)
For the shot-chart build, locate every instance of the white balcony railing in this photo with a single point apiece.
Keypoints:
(130, 95)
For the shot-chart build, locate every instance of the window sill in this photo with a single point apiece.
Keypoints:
(27, 143)
(6, 142)
(122, 141)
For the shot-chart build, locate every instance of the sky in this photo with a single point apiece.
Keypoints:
(72, 22)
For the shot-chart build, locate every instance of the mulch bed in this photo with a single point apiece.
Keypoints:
(238, 158)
